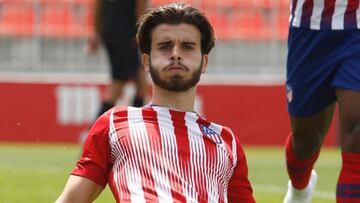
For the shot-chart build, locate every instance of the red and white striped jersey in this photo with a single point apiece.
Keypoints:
(156, 154)
(325, 14)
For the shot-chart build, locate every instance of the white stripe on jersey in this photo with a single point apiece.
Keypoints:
(162, 183)
(115, 151)
(298, 13)
(213, 188)
(169, 150)
(316, 15)
(337, 22)
(134, 177)
(358, 17)
(197, 156)
(234, 154)
(118, 153)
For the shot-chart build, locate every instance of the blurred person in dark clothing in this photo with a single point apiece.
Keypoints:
(115, 28)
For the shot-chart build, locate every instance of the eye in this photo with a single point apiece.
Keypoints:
(188, 47)
(165, 47)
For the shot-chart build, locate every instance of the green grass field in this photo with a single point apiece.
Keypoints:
(37, 173)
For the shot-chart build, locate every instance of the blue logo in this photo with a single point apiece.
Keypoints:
(289, 93)
(210, 134)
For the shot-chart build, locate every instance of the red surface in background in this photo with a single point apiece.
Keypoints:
(256, 114)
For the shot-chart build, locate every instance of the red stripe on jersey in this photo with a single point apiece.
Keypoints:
(120, 121)
(239, 188)
(306, 13)
(350, 14)
(153, 133)
(327, 14)
(182, 142)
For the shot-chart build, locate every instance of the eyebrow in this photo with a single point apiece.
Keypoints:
(163, 43)
(190, 43)
(169, 42)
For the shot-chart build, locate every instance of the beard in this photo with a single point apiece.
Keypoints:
(175, 83)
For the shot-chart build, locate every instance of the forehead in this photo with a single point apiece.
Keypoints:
(180, 32)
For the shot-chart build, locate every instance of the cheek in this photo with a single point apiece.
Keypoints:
(193, 61)
(158, 59)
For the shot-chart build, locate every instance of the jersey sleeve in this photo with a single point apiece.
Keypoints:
(94, 162)
(240, 190)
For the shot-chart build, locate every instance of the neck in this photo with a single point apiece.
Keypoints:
(182, 101)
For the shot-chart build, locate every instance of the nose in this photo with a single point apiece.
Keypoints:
(175, 54)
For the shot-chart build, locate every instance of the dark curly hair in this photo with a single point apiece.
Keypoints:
(174, 14)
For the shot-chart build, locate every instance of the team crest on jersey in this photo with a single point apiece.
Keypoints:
(289, 93)
(210, 134)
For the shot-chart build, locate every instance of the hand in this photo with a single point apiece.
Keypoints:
(93, 43)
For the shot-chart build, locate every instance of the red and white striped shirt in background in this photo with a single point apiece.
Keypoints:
(325, 14)
(155, 154)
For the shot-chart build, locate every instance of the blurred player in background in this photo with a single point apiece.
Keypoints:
(115, 28)
(323, 67)
(164, 152)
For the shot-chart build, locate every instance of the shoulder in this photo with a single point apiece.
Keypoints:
(118, 111)
(121, 114)
(127, 111)
(225, 132)
(221, 129)
(102, 123)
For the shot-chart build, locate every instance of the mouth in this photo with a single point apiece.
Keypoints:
(176, 68)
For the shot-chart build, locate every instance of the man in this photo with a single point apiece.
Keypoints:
(115, 27)
(164, 152)
(323, 67)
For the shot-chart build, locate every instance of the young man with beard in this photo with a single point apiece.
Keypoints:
(164, 152)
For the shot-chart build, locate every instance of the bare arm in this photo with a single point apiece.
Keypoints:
(97, 16)
(80, 190)
(94, 38)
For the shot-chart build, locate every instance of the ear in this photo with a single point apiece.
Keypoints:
(146, 62)
(205, 60)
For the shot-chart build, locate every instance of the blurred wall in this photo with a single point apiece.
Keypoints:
(53, 112)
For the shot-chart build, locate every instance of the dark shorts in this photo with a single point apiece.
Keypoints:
(317, 63)
(124, 60)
